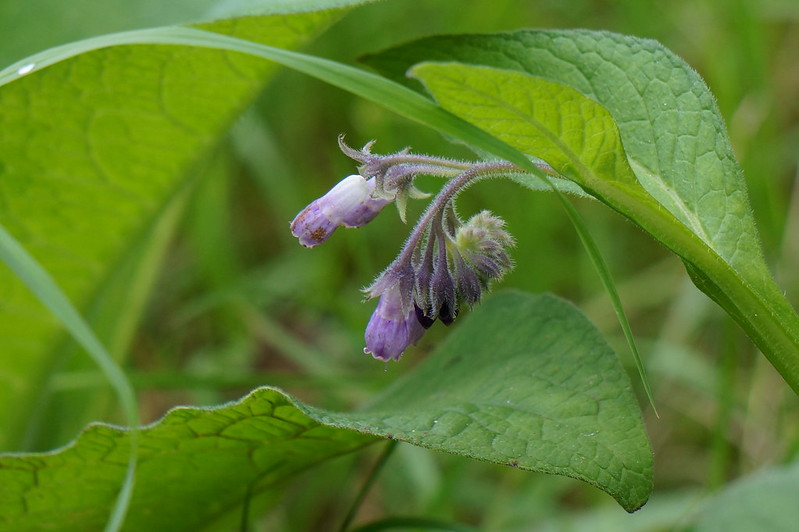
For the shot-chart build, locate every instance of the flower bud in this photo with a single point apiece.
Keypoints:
(467, 281)
(349, 204)
(482, 242)
(443, 297)
(367, 210)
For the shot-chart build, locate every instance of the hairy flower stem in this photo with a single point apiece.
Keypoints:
(425, 160)
(403, 158)
(399, 174)
(447, 193)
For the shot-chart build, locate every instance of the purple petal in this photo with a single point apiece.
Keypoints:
(344, 198)
(390, 330)
(447, 314)
(349, 203)
(425, 321)
(468, 284)
(442, 290)
(364, 213)
(311, 226)
(366, 210)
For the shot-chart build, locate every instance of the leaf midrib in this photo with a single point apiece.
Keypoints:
(694, 222)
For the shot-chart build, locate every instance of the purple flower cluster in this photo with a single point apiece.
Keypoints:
(444, 271)
(445, 262)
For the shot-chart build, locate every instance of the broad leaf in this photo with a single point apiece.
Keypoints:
(524, 381)
(673, 135)
(93, 150)
(196, 466)
(658, 153)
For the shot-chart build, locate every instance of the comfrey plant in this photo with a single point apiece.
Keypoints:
(445, 263)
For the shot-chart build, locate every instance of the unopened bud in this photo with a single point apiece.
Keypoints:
(349, 204)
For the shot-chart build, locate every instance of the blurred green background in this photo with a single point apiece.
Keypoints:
(238, 303)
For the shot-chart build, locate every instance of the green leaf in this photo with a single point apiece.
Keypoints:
(657, 153)
(158, 156)
(93, 151)
(395, 97)
(196, 466)
(51, 296)
(763, 501)
(673, 135)
(524, 381)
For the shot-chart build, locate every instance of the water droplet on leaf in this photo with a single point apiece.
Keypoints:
(26, 69)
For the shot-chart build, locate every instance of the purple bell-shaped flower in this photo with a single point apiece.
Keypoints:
(348, 204)
(393, 326)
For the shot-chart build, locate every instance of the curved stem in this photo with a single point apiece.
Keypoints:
(404, 261)
(448, 191)
(394, 178)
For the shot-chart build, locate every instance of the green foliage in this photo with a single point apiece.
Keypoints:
(93, 150)
(196, 466)
(525, 381)
(103, 144)
(56, 22)
(666, 162)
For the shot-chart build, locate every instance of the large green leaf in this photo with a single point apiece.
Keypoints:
(673, 135)
(196, 466)
(524, 381)
(667, 164)
(93, 150)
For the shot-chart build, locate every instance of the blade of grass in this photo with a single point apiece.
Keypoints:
(47, 291)
(372, 87)
(610, 287)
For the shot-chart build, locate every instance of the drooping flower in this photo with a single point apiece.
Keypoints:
(348, 204)
(457, 269)
(444, 263)
(392, 327)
